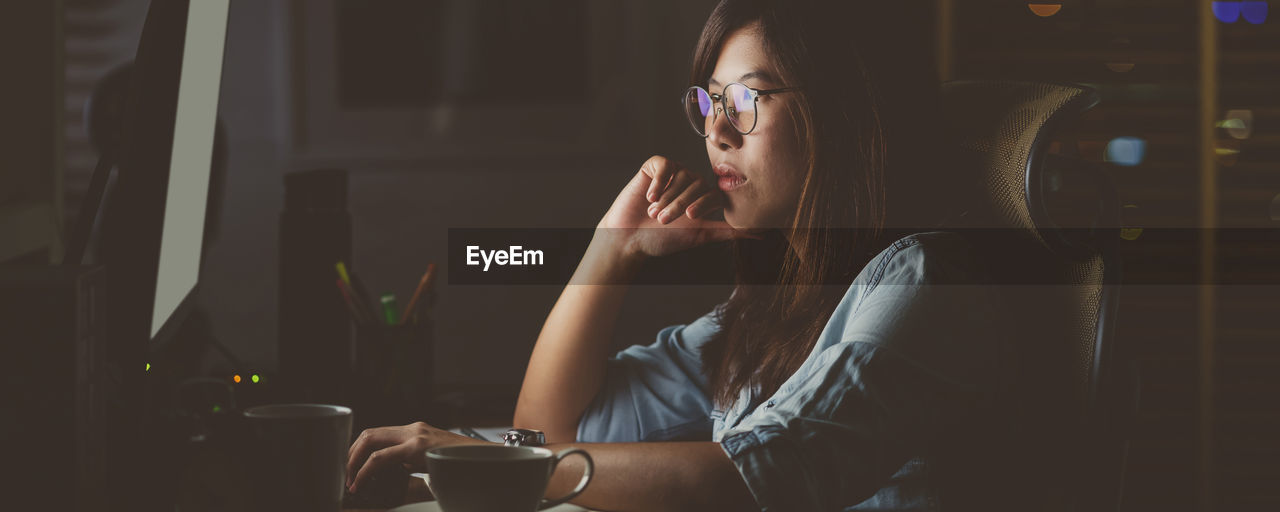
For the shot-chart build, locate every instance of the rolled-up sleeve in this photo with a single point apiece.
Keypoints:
(654, 392)
(913, 355)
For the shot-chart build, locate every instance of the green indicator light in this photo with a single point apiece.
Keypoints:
(255, 378)
(217, 408)
(148, 366)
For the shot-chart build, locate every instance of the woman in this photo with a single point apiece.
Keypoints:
(833, 376)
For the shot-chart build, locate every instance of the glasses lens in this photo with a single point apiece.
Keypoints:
(697, 107)
(742, 107)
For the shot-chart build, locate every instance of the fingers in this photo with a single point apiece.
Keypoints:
(405, 452)
(660, 171)
(680, 204)
(374, 439)
(674, 191)
(701, 206)
(679, 183)
(369, 441)
(364, 446)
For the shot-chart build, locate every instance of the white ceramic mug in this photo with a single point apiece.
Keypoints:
(488, 478)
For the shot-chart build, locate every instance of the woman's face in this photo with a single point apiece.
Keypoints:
(760, 172)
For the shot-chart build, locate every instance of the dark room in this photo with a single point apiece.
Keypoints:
(640, 255)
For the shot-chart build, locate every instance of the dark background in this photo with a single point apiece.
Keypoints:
(498, 114)
(518, 114)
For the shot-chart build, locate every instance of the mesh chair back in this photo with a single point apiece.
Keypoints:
(1053, 275)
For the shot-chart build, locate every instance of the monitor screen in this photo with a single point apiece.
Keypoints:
(190, 161)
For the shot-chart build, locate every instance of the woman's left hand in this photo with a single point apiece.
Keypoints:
(406, 445)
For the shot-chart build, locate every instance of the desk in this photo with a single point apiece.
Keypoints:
(418, 492)
(429, 507)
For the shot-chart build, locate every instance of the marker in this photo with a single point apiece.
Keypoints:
(342, 272)
(390, 310)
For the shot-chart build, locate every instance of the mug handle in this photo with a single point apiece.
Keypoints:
(582, 484)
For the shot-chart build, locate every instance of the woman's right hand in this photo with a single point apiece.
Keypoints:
(670, 205)
(567, 368)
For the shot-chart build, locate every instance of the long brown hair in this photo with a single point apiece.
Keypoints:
(868, 79)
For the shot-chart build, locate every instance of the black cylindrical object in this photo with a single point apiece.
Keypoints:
(315, 326)
(296, 456)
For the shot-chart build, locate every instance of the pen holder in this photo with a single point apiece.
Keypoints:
(394, 373)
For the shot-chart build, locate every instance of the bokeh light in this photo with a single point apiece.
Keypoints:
(1227, 12)
(255, 378)
(1228, 151)
(1253, 11)
(1238, 123)
(1126, 151)
(236, 378)
(1044, 10)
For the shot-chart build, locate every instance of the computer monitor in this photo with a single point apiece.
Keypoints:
(146, 222)
(149, 221)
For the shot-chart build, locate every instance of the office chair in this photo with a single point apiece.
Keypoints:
(1056, 222)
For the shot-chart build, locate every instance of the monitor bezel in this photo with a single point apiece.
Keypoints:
(134, 226)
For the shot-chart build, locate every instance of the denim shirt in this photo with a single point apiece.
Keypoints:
(906, 356)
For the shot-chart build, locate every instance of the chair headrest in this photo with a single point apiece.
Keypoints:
(1002, 129)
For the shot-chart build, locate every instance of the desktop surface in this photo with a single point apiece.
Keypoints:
(418, 498)
(431, 506)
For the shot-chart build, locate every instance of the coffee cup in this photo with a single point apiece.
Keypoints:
(297, 456)
(488, 478)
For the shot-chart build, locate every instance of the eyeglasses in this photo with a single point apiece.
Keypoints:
(738, 102)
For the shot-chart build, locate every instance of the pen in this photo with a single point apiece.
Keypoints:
(356, 293)
(389, 309)
(423, 285)
(350, 302)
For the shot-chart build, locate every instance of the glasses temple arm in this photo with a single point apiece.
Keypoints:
(772, 91)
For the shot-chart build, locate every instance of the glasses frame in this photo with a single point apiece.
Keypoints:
(724, 104)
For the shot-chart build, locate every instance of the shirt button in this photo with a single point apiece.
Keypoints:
(769, 403)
